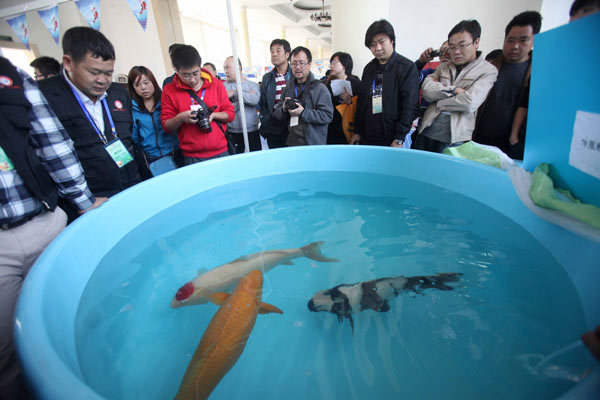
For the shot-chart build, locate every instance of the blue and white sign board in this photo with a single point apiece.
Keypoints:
(563, 127)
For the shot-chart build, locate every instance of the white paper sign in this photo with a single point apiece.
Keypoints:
(585, 146)
(338, 85)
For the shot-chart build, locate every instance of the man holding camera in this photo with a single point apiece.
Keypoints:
(455, 90)
(193, 105)
(307, 107)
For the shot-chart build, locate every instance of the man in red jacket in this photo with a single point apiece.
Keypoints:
(200, 138)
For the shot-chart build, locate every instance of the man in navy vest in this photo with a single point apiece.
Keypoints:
(95, 113)
(37, 165)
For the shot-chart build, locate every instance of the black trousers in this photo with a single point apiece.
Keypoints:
(253, 141)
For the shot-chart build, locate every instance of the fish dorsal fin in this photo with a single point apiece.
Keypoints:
(218, 298)
(266, 308)
(202, 271)
(242, 258)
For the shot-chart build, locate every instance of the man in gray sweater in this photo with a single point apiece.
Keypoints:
(307, 108)
(250, 97)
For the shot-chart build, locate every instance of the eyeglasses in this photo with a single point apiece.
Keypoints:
(187, 75)
(461, 47)
(300, 64)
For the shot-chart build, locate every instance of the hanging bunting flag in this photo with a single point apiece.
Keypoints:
(90, 9)
(50, 18)
(140, 10)
(19, 25)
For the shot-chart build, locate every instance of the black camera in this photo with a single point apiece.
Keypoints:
(435, 53)
(202, 116)
(292, 104)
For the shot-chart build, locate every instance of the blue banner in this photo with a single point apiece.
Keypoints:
(50, 18)
(90, 9)
(140, 10)
(19, 25)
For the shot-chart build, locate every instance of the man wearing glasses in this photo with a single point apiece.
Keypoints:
(45, 67)
(388, 101)
(306, 108)
(193, 105)
(501, 119)
(454, 91)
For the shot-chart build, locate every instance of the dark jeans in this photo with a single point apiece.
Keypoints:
(253, 141)
(193, 160)
(513, 151)
(277, 142)
(421, 142)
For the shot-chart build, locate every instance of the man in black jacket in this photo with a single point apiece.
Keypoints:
(95, 113)
(37, 165)
(385, 116)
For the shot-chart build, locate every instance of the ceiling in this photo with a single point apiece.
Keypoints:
(267, 17)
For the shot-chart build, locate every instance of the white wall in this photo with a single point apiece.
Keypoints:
(350, 20)
(555, 13)
(132, 45)
(419, 25)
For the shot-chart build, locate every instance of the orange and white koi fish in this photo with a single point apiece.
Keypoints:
(225, 277)
(225, 337)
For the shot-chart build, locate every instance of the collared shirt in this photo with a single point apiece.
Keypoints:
(94, 108)
(55, 150)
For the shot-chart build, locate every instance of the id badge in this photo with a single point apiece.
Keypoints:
(377, 104)
(118, 152)
(5, 163)
(195, 107)
(294, 121)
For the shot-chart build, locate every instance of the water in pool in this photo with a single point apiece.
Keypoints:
(512, 305)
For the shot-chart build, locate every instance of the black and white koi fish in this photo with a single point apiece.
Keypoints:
(347, 299)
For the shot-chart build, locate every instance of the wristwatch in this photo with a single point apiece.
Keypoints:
(399, 142)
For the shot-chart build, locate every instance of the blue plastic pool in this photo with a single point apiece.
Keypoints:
(94, 319)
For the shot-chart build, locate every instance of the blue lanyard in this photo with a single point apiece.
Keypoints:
(89, 117)
(201, 97)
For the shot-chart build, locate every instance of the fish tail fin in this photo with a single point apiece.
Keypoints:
(313, 251)
(266, 308)
(218, 298)
(438, 281)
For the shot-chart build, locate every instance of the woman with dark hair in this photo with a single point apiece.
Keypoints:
(157, 147)
(342, 127)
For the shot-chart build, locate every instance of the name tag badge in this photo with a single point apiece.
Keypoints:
(118, 152)
(195, 107)
(377, 104)
(294, 121)
(5, 163)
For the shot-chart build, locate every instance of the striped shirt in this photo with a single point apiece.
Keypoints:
(279, 85)
(55, 150)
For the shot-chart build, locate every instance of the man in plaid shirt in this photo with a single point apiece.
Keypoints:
(37, 164)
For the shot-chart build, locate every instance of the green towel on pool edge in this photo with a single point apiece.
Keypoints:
(543, 193)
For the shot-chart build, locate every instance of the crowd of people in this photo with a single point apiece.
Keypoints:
(77, 139)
